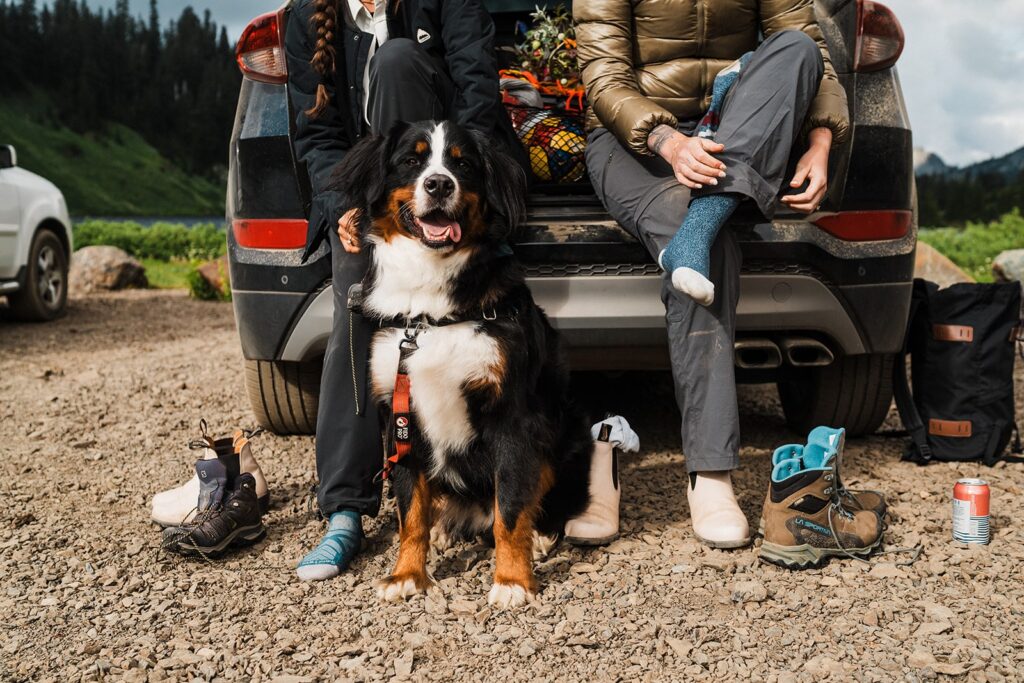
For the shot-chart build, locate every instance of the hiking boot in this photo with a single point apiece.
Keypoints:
(237, 522)
(805, 521)
(820, 443)
(853, 499)
(182, 504)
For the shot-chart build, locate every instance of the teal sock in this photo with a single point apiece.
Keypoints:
(341, 543)
(691, 247)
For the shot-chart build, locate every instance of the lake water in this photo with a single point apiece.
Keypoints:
(147, 221)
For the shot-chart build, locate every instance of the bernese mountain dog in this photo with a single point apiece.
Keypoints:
(493, 442)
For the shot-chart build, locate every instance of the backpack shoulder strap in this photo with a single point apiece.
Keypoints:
(919, 450)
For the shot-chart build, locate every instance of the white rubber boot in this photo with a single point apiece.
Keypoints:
(178, 505)
(717, 519)
(599, 523)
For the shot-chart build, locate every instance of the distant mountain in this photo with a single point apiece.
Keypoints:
(929, 163)
(1008, 166)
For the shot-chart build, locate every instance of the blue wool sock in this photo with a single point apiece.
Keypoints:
(687, 258)
(341, 543)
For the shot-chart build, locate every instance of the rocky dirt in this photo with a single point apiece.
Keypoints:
(95, 411)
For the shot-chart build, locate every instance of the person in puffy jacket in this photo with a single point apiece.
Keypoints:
(356, 67)
(649, 68)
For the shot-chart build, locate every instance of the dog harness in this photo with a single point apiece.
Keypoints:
(400, 425)
(398, 438)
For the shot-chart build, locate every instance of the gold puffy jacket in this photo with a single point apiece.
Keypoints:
(649, 62)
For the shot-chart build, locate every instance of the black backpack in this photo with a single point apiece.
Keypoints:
(962, 342)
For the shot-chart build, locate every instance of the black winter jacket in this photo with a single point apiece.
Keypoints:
(461, 36)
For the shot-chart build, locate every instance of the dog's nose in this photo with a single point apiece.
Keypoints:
(439, 186)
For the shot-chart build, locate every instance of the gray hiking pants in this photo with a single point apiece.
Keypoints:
(761, 119)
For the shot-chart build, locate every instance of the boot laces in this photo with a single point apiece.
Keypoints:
(836, 506)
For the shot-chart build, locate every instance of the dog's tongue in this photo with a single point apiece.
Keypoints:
(438, 228)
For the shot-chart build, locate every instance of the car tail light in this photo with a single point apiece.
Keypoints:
(270, 233)
(260, 50)
(866, 226)
(879, 37)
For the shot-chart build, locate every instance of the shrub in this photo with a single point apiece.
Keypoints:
(974, 247)
(163, 241)
(200, 288)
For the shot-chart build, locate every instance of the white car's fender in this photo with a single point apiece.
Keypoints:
(41, 202)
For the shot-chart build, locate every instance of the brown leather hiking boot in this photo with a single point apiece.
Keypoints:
(805, 521)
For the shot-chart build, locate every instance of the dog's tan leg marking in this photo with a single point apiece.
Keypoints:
(410, 574)
(514, 582)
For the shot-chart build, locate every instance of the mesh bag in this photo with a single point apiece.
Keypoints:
(555, 143)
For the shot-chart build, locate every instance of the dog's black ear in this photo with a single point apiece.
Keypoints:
(361, 177)
(504, 181)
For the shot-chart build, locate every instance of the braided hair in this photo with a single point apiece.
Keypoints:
(324, 23)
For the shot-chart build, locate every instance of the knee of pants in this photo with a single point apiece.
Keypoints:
(800, 47)
(395, 58)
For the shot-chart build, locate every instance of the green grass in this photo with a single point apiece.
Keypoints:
(974, 246)
(110, 173)
(168, 274)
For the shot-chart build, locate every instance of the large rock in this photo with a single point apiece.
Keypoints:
(216, 276)
(1009, 266)
(103, 268)
(932, 265)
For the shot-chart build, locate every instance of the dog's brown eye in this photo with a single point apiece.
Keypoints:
(463, 164)
(412, 161)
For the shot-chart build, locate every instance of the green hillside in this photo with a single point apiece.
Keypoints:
(113, 173)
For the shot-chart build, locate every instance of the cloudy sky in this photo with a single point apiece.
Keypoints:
(962, 69)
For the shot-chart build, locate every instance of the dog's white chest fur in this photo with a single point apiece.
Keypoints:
(411, 281)
(447, 358)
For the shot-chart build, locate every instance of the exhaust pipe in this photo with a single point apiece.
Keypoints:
(757, 354)
(804, 352)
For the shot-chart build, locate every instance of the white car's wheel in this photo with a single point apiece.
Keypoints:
(46, 280)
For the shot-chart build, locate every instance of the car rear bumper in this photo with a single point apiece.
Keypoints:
(612, 313)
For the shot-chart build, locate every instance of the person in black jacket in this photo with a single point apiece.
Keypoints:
(356, 67)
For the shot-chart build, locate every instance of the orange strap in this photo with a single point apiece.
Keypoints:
(954, 428)
(953, 333)
(401, 412)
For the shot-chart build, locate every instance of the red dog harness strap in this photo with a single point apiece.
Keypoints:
(400, 429)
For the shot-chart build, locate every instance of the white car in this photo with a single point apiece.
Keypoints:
(35, 242)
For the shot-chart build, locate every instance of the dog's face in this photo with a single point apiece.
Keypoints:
(437, 183)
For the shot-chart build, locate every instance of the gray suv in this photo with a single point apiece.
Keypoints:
(824, 299)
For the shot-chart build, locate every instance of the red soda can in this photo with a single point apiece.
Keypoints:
(970, 511)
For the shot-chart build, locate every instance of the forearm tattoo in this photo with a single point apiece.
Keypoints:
(659, 136)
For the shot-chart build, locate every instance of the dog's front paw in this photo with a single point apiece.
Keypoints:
(397, 588)
(508, 596)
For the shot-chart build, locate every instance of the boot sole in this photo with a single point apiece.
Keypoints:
(240, 537)
(724, 545)
(576, 540)
(263, 502)
(806, 556)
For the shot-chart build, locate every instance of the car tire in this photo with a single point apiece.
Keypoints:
(45, 292)
(284, 394)
(854, 392)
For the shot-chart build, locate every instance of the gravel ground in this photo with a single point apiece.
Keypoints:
(96, 408)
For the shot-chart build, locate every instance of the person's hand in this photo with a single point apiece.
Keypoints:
(348, 231)
(690, 157)
(812, 169)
